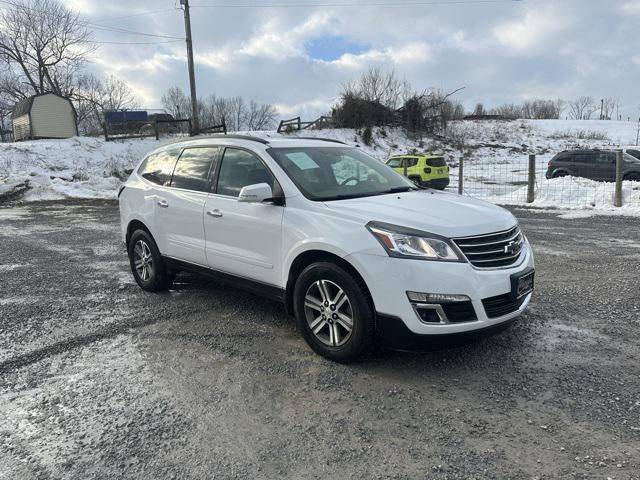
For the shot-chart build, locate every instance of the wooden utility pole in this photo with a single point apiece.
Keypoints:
(192, 74)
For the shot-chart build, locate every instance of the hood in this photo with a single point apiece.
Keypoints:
(442, 213)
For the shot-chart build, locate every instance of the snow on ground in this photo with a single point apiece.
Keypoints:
(495, 161)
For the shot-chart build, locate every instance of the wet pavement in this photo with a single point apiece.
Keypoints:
(99, 379)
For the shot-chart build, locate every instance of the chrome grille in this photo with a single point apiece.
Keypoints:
(493, 250)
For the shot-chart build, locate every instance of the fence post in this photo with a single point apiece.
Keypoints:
(619, 167)
(531, 180)
(156, 129)
(106, 132)
(461, 175)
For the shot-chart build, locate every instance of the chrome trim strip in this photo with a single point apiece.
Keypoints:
(471, 245)
(488, 234)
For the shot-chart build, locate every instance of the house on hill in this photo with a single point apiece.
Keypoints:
(44, 116)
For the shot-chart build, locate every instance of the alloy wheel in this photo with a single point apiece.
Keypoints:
(329, 313)
(143, 260)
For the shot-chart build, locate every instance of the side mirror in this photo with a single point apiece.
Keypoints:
(256, 193)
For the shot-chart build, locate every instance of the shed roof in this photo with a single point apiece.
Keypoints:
(24, 106)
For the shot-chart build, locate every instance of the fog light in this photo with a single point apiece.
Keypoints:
(436, 297)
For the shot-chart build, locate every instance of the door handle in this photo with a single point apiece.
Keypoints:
(214, 213)
(163, 203)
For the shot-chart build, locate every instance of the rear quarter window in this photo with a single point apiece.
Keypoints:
(158, 167)
(436, 162)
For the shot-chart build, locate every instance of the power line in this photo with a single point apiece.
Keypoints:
(130, 32)
(135, 43)
(95, 25)
(354, 4)
(141, 14)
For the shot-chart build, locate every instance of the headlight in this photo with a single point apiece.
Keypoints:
(407, 243)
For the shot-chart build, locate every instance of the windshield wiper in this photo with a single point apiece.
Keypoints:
(399, 190)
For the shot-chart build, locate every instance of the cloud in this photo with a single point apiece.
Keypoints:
(630, 8)
(500, 52)
(533, 33)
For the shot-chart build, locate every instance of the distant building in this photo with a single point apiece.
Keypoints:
(44, 116)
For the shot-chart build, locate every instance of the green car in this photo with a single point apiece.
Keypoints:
(424, 170)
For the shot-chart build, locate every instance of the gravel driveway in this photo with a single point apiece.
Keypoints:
(101, 380)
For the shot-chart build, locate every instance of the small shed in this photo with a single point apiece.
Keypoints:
(44, 116)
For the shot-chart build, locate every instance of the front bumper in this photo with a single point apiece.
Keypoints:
(389, 279)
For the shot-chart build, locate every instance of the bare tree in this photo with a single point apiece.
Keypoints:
(479, 110)
(176, 103)
(260, 117)
(379, 86)
(582, 108)
(508, 110)
(609, 107)
(45, 45)
(95, 96)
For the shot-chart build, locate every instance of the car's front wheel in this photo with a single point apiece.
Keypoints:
(334, 312)
(632, 177)
(146, 263)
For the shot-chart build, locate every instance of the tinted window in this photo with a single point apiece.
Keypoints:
(158, 167)
(634, 153)
(240, 168)
(605, 157)
(193, 167)
(582, 158)
(395, 162)
(436, 162)
(412, 162)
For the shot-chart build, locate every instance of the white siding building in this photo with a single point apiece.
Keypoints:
(44, 116)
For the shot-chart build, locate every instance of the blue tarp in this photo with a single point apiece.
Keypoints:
(126, 116)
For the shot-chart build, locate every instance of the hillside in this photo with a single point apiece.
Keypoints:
(495, 160)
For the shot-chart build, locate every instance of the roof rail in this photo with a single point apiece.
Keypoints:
(320, 139)
(239, 137)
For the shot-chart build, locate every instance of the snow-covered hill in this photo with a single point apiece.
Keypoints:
(495, 154)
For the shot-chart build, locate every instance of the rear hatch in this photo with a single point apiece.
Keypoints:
(438, 166)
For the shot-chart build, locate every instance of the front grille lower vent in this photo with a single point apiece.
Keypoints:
(494, 250)
(501, 305)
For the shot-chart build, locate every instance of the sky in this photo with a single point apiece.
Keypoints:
(297, 54)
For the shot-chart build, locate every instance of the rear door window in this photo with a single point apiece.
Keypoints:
(194, 167)
(158, 167)
(582, 158)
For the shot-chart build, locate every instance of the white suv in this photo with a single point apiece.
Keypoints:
(353, 249)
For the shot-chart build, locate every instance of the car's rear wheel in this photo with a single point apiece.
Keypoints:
(632, 177)
(334, 312)
(416, 180)
(560, 174)
(146, 263)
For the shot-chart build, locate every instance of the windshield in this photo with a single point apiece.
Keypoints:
(395, 162)
(335, 173)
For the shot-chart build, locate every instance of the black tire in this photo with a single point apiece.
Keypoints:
(416, 180)
(157, 278)
(633, 177)
(559, 174)
(358, 304)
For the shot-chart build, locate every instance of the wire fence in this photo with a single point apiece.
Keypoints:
(521, 180)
